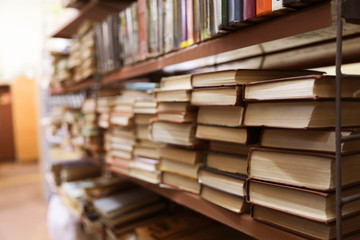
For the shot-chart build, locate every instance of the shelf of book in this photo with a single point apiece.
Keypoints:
(244, 222)
(94, 10)
(296, 23)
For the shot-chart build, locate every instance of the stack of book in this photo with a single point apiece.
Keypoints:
(292, 173)
(175, 124)
(126, 208)
(89, 129)
(103, 108)
(146, 159)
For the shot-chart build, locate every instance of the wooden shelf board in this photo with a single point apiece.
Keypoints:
(82, 85)
(96, 10)
(288, 25)
(243, 223)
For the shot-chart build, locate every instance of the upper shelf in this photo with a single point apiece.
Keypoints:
(95, 10)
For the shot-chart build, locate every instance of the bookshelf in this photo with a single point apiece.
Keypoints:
(310, 19)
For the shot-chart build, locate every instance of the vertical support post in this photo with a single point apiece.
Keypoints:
(338, 121)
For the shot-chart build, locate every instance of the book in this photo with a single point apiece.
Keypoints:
(229, 201)
(124, 201)
(301, 114)
(319, 206)
(220, 115)
(145, 175)
(177, 82)
(189, 22)
(236, 17)
(180, 182)
(168, 25)
(175, 107)
(188, 170)
(311, 140)
(142, 16)
(173, 133)
(184, 155)
(249, 9)
(227, 134)
(303, 87)
(183, 25)
(223, 96)
(303, 226)
(146, 152)
(180, 117)
(230, 183)
(229, 147)
(241, 76)
(172, 95)
(142, 132)
(196, 20)
(302, 169)
(226, 162)
(263, 7)
(143, 119)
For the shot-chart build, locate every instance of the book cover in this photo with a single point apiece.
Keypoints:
(183, 23)
(196, 21)
(263, 7)
(249, 9)
(235, 13)
(169, 24)
(190, 22)
(142, 16)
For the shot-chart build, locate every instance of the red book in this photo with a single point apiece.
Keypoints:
(190, 26)
(142, 29)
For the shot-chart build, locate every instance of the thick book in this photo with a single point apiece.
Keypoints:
(173, 133)
(221, 96)
(143, 118)
(220, 115)
(226, 162)
(180, 182)
(124, 201)
(184, 169)
(228, 134)
(145, 175)
(300, 114)
(228, 147)
(180, 117)
(189, 156)
(322, 140)
(177, 82)
(226, 182)
(302, 169)
(241, 76)
(175, 107)
(303, 87)
(146, 152)
(303, 226)
(229, 201)
(172, 95)
(316, 205)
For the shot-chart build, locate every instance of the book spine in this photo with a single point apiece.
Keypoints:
(177, 23)
(135, 22)
(196, 21)
(236, 15)
(190, 23)
(263, 7)
(183, 18)
(161, 6)
(169, 25)
(276, 5)
(142, 29)
(249, 9)
(224, 15)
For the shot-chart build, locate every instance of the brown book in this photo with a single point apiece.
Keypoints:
(301, 114)
(241, 76)
(228, 134)
(220, 115)
(304, 226)
(176, 82)
(303, 169)
(172, 95)
(221, 96)
(180, 117)
(226, 182)
(188, 156)
(142, 16)
(145, 175)
(303, 87)
(175, 107)
(174, 133)
(311, 140)
(180, 182)
(228, 147)
(319, 206)
(143, 118)
(226, 162)
(229, 201)
(188, 170)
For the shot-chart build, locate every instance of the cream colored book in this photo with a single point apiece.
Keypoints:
(220, 115)
(188, 170)
(181, 182)
(184, 155)
(176, 82)
(226, 162)
(172, 95)
(177, 116)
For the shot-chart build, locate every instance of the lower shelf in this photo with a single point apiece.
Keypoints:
(243, 223)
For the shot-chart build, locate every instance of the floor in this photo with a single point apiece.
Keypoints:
(23, 209)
